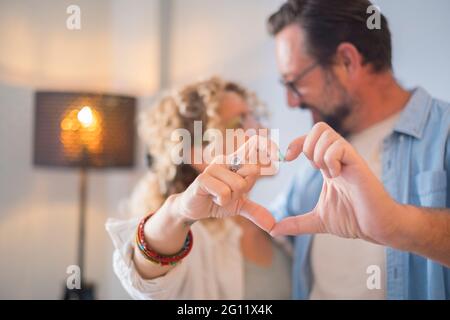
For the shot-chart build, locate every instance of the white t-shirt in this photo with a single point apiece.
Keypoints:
(340, 266)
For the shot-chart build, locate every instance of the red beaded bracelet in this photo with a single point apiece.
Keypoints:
(155, 257)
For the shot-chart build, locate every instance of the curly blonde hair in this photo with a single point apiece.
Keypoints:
(199, 101)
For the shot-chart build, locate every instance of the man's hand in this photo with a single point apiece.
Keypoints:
(353, 202)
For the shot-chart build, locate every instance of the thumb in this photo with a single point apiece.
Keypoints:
(293, 226)
(295, 148)
(257, 214)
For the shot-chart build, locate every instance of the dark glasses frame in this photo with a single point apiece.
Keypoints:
(292, 85)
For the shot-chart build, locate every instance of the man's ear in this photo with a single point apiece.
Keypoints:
(348, 57)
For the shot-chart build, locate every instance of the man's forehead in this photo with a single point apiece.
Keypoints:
(290, 49)
(286, 50)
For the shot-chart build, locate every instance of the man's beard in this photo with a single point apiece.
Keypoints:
(341, 111)
(335, 119)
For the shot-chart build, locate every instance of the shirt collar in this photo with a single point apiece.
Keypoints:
(413, 118)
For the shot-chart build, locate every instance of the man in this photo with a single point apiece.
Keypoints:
(387, 183)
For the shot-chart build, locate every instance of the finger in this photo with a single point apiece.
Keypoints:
(236, 183)
(327, 138)
(257, 214)
(258, 150)
(268, 166)
(235, 140)
(220, 192)
(312, 138)
(295, 148)
(250, 172)
(269, 148)
(251, 180)
(243, 151)
(303, 224)
(333, 157)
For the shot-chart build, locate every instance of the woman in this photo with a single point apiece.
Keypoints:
(231, 258)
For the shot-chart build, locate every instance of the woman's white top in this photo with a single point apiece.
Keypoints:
(214, 269)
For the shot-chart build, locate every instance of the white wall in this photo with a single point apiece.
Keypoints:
(117, 51)
(421, 36)
(116, 48)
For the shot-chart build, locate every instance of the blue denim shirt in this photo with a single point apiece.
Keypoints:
(415, 170)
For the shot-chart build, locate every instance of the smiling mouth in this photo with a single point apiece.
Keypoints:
(310, 108)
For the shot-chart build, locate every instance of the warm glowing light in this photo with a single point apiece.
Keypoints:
(85, 116)
(81, 130)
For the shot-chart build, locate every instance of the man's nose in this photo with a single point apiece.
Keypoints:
(293, 99)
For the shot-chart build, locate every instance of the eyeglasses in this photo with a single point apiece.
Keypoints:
(292, 85)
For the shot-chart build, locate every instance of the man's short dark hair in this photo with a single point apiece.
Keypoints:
(328, 23)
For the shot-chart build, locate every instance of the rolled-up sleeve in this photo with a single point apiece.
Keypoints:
(198, 276)
(164, 287)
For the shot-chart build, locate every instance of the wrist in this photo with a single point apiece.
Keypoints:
(166, 231)
(175, 211)
(160, 257)
(407, 219)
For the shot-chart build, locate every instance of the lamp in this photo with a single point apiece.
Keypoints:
(80, 131)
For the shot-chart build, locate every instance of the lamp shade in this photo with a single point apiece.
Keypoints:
(84, 130)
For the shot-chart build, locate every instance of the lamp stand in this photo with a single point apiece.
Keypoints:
(86, 292)
(82, 192)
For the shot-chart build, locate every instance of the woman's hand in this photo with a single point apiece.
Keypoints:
(219, 192)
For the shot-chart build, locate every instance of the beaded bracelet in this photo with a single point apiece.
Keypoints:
(152, 256)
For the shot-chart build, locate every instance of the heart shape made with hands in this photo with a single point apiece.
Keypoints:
(259, 156)
(352, 204)
(261, 150)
